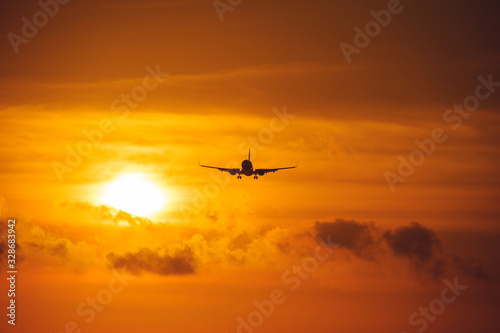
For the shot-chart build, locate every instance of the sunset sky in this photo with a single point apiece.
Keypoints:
(390, 109)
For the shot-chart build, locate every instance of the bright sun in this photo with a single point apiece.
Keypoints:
(134, 194)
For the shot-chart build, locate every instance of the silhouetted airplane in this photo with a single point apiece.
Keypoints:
(247, 169)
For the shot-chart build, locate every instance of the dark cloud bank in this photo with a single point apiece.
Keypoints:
(148, 260)
(423, 248)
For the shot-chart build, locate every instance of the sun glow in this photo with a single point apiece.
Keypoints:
(135, 194)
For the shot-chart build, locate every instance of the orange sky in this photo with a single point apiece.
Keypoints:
(161, 85)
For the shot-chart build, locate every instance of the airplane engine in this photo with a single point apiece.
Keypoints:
(232, 172)
(262, 173)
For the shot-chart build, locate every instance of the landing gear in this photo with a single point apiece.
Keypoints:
(239, 177)
(255, 177)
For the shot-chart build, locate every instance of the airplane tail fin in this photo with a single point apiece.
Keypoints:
(249, 154)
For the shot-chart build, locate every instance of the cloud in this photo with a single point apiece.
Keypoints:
(42, 246)
(218, 243)
(422, 247)
(358, 237)
(240, 242)
(470, 266)
(46, 248)
(59, 249)
(415, 242)
(105, 214)
(148, 260)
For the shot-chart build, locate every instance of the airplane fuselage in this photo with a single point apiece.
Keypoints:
(247, 168)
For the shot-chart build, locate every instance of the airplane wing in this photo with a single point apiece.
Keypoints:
(262, 172)
(232, 171)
